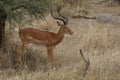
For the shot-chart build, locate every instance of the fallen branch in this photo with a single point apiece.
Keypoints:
(104, 1)
(85, 17)
(87, 63)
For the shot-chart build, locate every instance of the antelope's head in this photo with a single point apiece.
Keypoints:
(63, 26)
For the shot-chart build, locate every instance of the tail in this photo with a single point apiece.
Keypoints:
(19, 32)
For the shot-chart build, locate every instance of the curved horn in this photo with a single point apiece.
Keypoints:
(58, 10)
(57, 17)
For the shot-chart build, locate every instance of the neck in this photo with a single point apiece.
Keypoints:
(61, 31)
(60, 35)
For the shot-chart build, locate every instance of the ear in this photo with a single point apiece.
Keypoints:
(58, 23)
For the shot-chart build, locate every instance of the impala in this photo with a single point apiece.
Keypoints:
(49, 39)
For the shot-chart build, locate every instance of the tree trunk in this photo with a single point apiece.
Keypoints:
(2, 30)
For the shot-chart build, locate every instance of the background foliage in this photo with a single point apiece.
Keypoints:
(19, 10)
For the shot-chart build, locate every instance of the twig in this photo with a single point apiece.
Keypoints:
(87, 63)
(85, 17)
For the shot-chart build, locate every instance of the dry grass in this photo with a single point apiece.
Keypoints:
(99, 41)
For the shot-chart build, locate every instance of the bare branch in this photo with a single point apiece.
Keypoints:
(87, 63)
(85, 17)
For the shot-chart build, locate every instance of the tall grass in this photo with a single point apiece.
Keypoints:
(100, 43)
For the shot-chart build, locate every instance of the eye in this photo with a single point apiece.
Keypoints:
(65, 27)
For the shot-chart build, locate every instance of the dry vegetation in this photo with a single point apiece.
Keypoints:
(99, 41)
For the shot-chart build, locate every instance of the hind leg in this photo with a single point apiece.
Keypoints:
(21, 52)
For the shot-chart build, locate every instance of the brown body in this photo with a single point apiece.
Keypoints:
(49, 39)
(42, 37)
